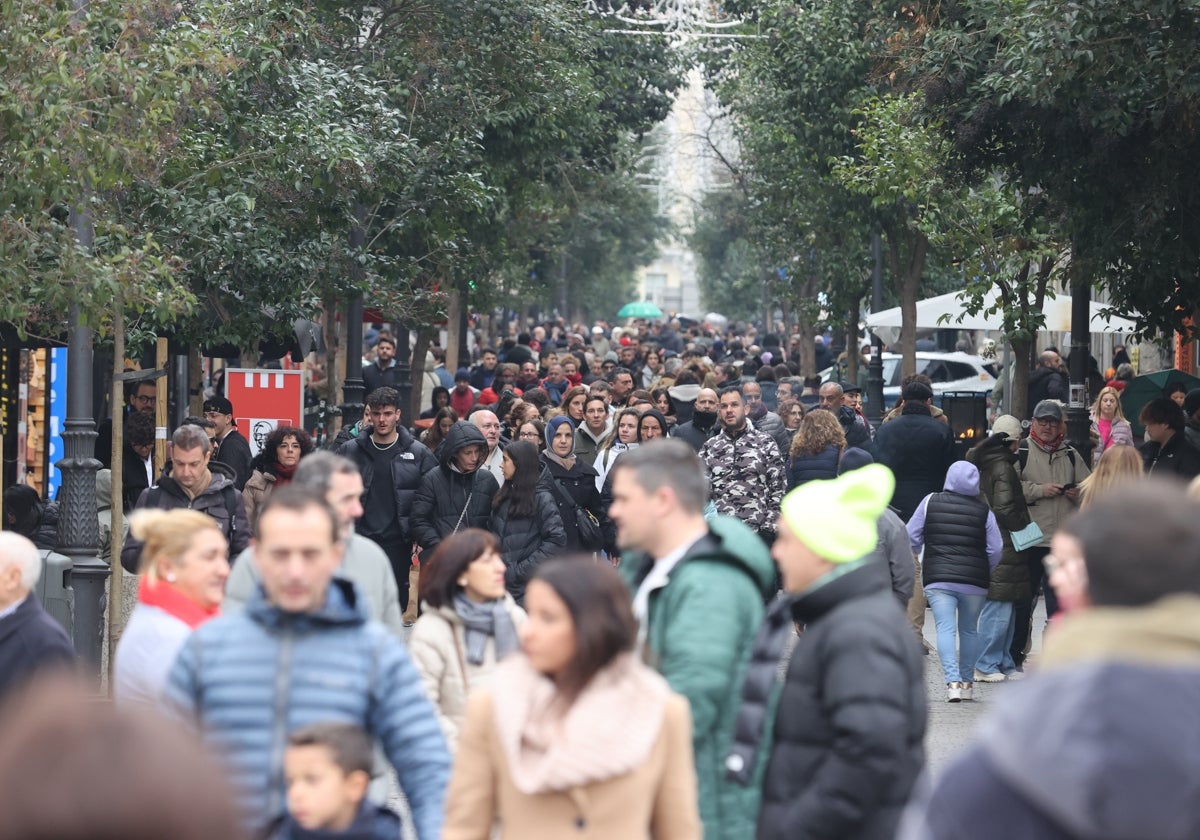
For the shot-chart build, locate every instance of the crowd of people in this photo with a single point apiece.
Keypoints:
(648, 583)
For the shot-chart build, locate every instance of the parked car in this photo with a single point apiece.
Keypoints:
(947, 371)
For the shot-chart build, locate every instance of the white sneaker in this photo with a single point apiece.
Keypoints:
(992, 678)
(1015, 675)
(953, 692)
(967, 690)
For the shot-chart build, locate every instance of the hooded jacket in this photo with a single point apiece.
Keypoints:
(216, 500)
(448, 499)
(849, 727)
(1082, 749)
(332, 665)
(699, 631)
(525, 543)
(1002, 488)
(587, 444)
(958, 532)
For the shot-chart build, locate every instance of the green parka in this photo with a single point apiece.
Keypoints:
(701, 627)
(1001, 488)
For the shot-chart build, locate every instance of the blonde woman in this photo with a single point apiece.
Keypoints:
(816, 449)
(1120, 464)
(1109, 423)
(183, 568)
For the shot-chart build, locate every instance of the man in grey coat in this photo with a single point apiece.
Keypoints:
(363, 562)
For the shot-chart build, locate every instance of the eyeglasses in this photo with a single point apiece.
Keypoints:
(212, 414)
(142, 399)
(529, 435)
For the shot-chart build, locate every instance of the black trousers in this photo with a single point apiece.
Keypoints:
(399, 555)
(1023, 610)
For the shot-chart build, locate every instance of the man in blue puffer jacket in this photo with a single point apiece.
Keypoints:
(304, 652)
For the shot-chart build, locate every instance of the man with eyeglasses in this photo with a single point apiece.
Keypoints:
(138, 397)
(232, 448)
(1051, 471)
(488, 423)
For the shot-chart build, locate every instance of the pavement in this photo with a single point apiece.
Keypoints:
(952, 725)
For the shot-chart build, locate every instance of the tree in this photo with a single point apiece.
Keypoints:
(1093, 104)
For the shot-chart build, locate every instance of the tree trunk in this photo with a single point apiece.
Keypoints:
(907, 274)
(453, 331)
(425, 334)
(852, 342)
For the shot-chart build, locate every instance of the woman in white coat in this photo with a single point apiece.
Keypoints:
(468, 623)
(183, 569)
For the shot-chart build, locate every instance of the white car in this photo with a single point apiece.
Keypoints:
(947, 371)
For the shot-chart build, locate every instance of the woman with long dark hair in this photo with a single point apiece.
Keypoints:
(575, 732)
(443, 419)
(525, 518)
(469, 623)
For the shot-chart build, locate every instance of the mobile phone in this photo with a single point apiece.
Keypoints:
(1070, 486)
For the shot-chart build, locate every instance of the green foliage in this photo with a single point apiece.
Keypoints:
(89, 107)
(1093, 103)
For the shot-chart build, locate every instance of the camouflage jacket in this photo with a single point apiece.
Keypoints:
(746, 477)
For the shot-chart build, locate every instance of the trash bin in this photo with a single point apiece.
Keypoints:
(966, 412)
(54, 589)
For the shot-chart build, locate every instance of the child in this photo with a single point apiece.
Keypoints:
(327, 768)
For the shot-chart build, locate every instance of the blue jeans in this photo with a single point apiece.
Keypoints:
(997, 626)
(956, 616)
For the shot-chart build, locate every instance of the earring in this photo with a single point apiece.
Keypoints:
(462, 583)
(170, 577)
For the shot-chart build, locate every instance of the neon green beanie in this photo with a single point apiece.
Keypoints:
(836, 518)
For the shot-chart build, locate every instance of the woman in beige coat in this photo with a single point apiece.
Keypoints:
(469, 623)
(575, 737)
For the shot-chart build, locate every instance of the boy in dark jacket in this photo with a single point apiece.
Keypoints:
(327, 767)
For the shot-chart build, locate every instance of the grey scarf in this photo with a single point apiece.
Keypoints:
(486, 620)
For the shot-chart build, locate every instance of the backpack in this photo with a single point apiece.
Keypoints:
(228, 495)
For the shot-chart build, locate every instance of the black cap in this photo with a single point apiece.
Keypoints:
(219, 405)
(851, 387)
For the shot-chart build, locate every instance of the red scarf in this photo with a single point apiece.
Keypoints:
(283, 475)
(1048, 445)
(173, 602)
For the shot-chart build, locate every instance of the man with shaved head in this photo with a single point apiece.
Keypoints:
(703, 424)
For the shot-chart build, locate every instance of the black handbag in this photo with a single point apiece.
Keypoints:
(591, 538)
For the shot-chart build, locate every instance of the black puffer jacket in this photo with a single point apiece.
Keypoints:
(449, 500)
(819, 467)
(580, 484)
(1000, 485)
(850, 726)
(408, 468)
(918, 450)
(526, 542)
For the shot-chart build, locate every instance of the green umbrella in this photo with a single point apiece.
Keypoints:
(1142, 389)
(640, 309)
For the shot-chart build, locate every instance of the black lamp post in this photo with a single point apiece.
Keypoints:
(78, 530)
